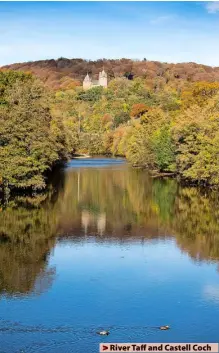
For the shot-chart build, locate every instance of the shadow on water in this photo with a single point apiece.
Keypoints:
(116, 204)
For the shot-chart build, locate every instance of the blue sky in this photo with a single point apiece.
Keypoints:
(163, 31)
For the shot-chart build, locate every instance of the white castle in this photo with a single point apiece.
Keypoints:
(89, 83)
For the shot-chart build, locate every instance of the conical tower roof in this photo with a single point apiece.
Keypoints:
(87, 78)
(103, 73)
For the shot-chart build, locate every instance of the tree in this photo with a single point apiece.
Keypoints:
(199, 92)
(8, 79)
(197, 145)
(164, 149)
(28, 147)
(139, 149)
(138, 110)
(91, 95)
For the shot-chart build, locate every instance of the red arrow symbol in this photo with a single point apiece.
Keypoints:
(105, 348)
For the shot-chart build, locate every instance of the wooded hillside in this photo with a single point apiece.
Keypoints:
(167, 123)
(63, 72)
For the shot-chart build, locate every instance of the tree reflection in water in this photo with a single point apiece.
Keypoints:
(24, 269)
(112, 204)
(28, 227)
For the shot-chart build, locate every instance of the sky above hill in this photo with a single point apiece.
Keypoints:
(162, 31)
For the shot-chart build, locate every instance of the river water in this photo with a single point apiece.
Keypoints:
(107, 247)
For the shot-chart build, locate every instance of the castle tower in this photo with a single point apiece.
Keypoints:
(85, 220)
(103, 79)
(101, 223)
(87, 83)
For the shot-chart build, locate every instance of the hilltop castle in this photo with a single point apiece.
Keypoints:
(89, 83)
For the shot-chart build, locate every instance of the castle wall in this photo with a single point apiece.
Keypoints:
(103, 81)
(87, 85)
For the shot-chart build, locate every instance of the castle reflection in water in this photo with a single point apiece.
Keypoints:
(118, 205)
(97, 221)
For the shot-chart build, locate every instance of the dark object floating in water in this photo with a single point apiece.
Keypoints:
(103, 333)
(164, 327)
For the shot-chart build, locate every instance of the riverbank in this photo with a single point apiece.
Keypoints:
(81, 156)
(156, 174)
(51, 176)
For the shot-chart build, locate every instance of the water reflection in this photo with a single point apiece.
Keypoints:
(112, 204)
(89, 219)
(25, 269)
(28, 227)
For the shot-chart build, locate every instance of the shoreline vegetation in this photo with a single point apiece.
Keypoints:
(165, 124)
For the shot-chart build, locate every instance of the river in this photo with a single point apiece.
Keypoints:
(107, 247)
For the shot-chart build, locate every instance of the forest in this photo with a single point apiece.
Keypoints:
(165, 120)
(64, 72)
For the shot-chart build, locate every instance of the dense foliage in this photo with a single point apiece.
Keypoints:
(166, 124)
(168, 129)
(30, 139)
(66, 73)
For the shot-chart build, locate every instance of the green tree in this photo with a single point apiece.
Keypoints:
(197, 144)
(91, 95)
(164, 149)
(139, 149)
(28, 147)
